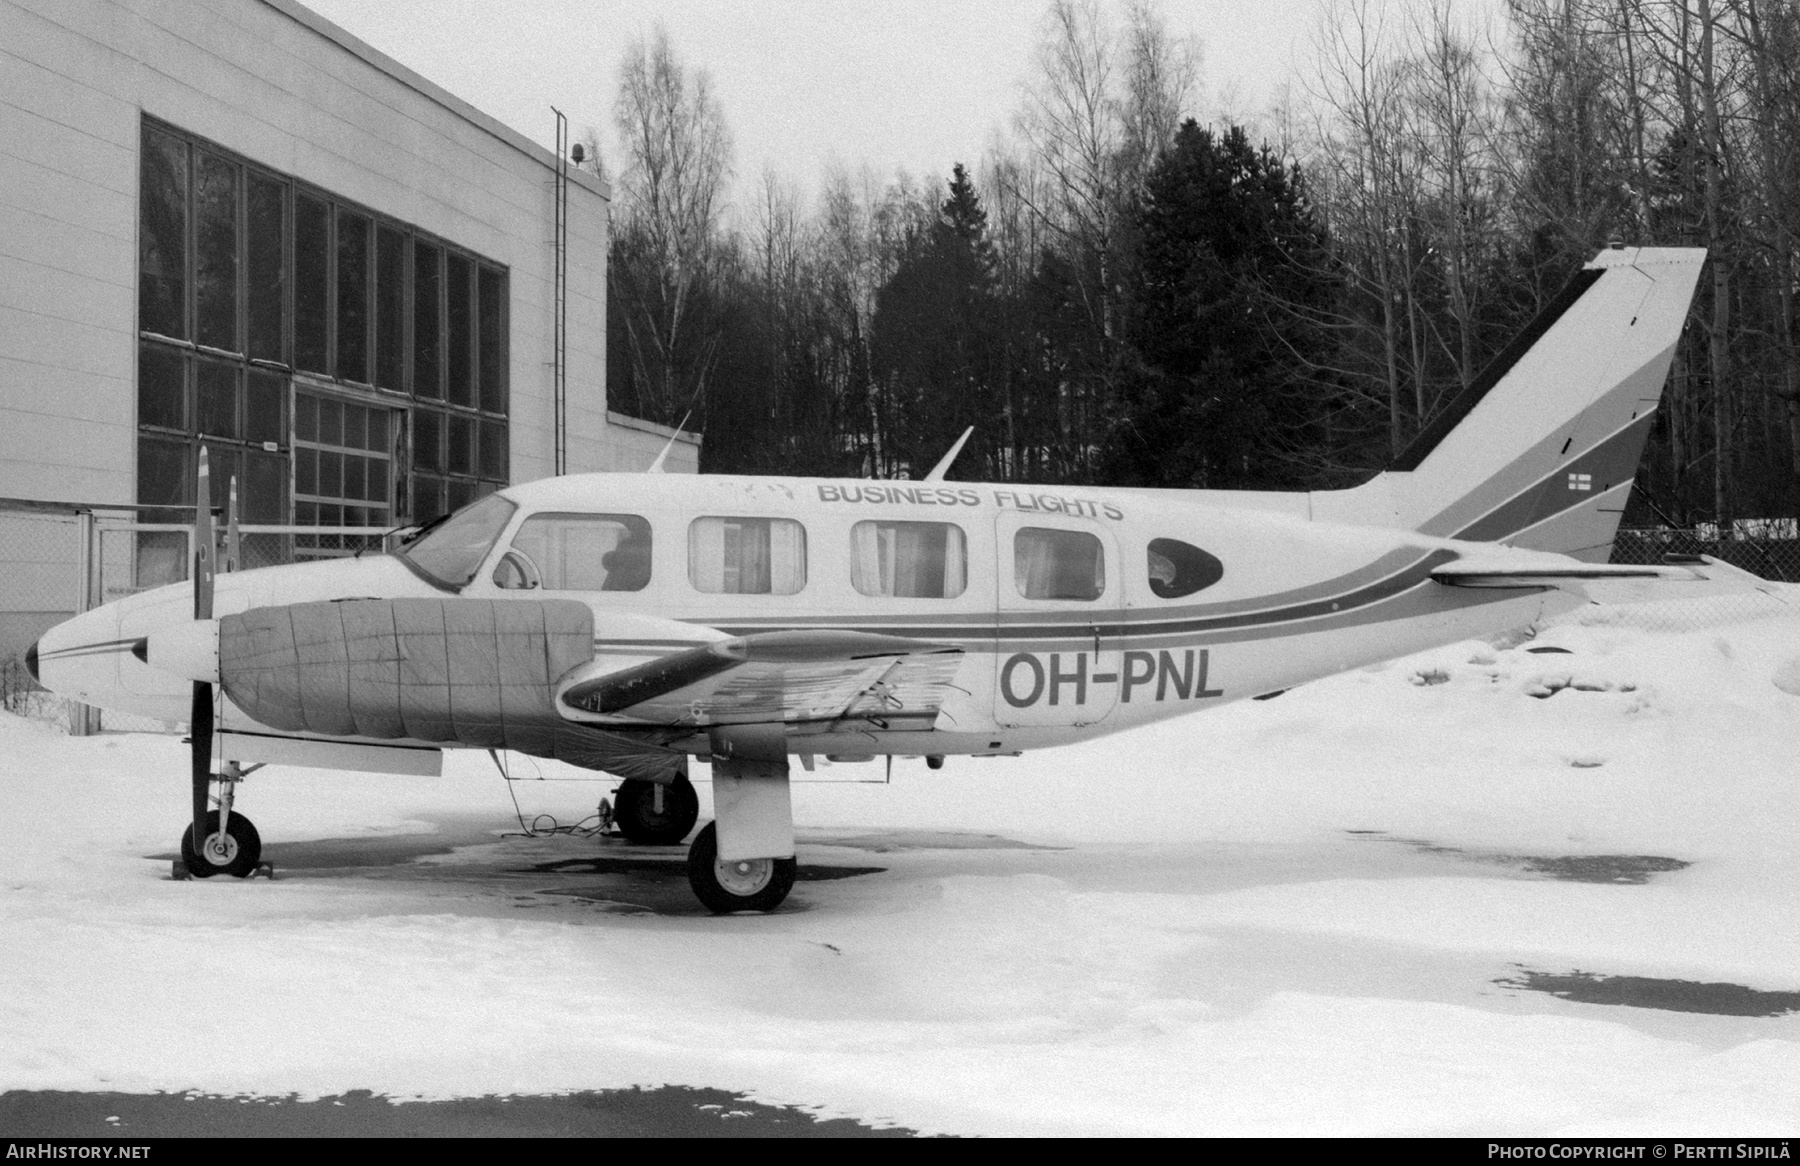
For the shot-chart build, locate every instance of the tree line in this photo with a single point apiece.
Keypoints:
(1116, 293)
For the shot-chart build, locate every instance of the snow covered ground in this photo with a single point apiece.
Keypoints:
(1290, 916)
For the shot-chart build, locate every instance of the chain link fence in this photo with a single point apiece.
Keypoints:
(1768, 548)
(40, 585)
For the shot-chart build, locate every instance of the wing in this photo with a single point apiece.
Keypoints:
(785, 677)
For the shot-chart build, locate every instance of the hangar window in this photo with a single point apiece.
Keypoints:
(256, 292)
(913, 560)
(353, 279)
(312, 286)
(747, 556)
(1058, 564)
(162, 235)
(1176, 568)
(216, 238)
(578, 552)
(343, 469)
(266, 269)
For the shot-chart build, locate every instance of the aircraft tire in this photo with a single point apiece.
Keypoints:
(634, 812)
(245, 847)
(758, 885)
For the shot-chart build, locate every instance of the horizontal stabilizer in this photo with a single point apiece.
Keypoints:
(1475, 573)
(1677, 577)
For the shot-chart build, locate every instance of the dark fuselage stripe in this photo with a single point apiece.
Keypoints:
(1076, 624)
(90, 649)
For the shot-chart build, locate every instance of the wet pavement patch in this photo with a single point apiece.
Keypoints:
(665, 1111)
(889, 841)
(1602, 868)
(677, 868)
(346, 853)
(1649, 992)
(368, 851)
(659, 886)
(1632, 869)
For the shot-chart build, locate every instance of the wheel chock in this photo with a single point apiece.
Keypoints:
(179, 872)
(264, 870)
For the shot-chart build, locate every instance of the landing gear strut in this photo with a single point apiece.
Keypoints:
(744, 859)
(232, 845)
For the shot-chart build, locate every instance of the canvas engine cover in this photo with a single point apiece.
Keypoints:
(473, 672)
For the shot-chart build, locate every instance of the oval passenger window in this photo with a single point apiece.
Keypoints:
(1177, 568)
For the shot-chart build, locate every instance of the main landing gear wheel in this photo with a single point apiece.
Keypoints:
(758, 884)
(236, 854)
(639, 819)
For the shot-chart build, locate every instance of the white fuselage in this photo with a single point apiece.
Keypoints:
(1292, 600)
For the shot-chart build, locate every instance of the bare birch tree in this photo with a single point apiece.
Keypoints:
(1070, 122)
(1360, 127)
(677, 159)
(1451, 127)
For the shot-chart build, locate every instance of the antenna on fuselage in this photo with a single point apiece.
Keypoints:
(943, 467)
(656, 467)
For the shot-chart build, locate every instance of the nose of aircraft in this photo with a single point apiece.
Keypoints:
(78, 657)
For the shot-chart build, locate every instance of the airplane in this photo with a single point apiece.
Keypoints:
(628, 623)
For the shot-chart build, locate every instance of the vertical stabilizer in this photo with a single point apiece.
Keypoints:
(1540, 450)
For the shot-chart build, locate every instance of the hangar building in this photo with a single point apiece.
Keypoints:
(231, 222)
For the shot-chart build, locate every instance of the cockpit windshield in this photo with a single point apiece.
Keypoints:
(452, 549)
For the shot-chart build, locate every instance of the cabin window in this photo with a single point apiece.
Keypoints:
(1058, 564)
(747, 556)
(1177, 568)
(578, 552)
(910, 560)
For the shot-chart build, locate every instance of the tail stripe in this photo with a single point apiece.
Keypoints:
(1633, 398)
(1607, 464)
(1464, 404)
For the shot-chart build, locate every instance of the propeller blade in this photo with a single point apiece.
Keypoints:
(203, 541)
(233, 541)
(200, 727)
(200, 732)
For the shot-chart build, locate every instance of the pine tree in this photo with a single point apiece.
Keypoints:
(1232, 275)
(931, 331)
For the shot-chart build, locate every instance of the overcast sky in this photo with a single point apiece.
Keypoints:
(919, 84)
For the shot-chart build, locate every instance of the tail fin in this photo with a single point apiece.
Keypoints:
(1541, 449)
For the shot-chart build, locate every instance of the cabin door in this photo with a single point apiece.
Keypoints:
(1059, 596)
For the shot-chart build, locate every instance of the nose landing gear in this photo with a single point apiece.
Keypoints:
(231, 846)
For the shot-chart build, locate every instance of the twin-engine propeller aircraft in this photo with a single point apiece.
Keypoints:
(628, 622)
